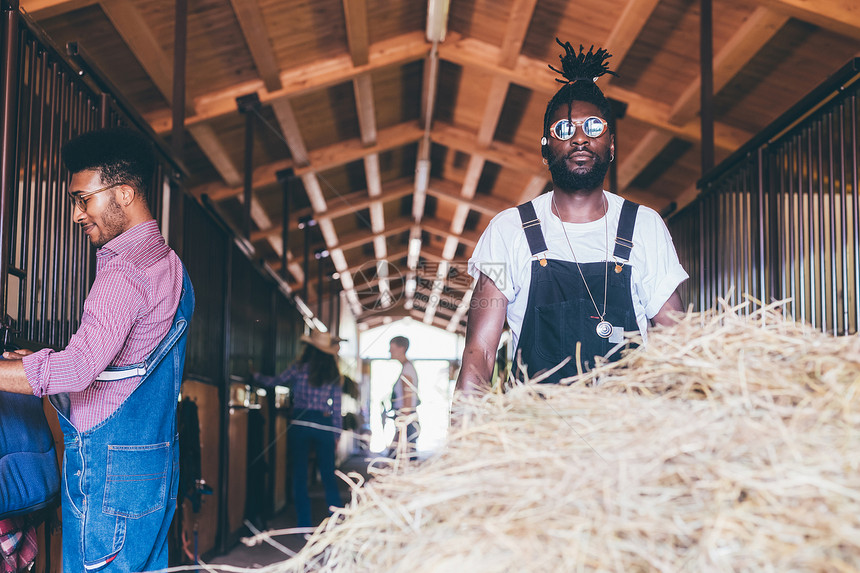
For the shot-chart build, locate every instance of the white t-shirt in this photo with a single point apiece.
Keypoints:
(503, 254)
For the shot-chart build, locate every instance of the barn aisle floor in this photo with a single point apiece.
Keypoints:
(242, 556)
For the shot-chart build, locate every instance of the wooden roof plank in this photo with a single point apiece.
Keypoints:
(211, 146)
(303, 79)
(519, 18)
(751, 37)
(641, 156)
(42, 9)
(290, 130)
(628, 27)
(839, 16)
(355, 15)
(256, 36)
(535, 75)
(130, 25)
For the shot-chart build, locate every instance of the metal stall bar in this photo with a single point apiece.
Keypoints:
(855, 204)
(8, 141)
(796, 181)
(843, 224)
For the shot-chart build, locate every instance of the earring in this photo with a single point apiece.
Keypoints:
(543, 141)
(545, 162)
(611, 157)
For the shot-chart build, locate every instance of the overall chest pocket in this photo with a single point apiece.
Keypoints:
(136, 480)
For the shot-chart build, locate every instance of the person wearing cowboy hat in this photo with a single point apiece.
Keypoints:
(315, 417)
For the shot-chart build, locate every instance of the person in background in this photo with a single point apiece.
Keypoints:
(576, 268)
(404, 392)
(116, 384)
(315, 418)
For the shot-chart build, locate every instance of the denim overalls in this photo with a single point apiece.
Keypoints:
(120, 477)
(560, 313)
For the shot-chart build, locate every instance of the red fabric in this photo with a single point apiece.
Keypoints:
(128, 311)
(18, 544)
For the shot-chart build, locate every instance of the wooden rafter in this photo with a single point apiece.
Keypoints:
(752, 35)
(41, 9)
(321, 74)
(129, 23)
(840, 16)
(256, 36)
(627, 28)
(355, 16)
(534, 75)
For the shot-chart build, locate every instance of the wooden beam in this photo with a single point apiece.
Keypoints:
(840, 16)
(641, 156)
(263, 176)
(627, 28)
(257, 37)
(354, 150)
(130, 25)
(324, 158)
(311, 77)
(508, 155)
(751, 37)
(535, 75)
(355, 16)
(363, 237)
(290, 130)
(356, 268)
(363, 89)
(347, 204)
(442, 228)
(44, 9)
(519, 19)
(210, 145)
(497, 93)
(485, 204)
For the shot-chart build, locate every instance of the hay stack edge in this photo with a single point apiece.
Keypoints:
(731, 442)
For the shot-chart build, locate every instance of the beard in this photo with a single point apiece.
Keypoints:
(113, 223)
(578, 178)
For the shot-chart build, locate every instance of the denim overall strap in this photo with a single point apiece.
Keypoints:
(560, 316)
(120, 478)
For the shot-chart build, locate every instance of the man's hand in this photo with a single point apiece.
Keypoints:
(17, 354)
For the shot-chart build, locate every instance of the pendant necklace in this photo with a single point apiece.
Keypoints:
(604, 328)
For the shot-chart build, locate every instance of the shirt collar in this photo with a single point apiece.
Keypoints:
(137, 235)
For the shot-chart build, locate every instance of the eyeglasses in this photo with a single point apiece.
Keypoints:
(79, 199)
(565, 129)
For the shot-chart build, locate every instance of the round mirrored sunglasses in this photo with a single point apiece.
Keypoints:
(592, 126)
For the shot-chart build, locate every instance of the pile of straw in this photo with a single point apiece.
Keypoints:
(728, 443)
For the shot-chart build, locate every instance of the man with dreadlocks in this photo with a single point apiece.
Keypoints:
(577, 267)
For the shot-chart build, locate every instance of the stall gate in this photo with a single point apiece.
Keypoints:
(778, 220)
(47, 267)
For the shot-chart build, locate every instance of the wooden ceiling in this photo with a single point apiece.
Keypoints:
(396, 140)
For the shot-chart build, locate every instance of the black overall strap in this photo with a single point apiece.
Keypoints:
(624, 237)
(531, 226)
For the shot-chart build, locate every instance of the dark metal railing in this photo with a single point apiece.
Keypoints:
(47, 263)
(779, 219)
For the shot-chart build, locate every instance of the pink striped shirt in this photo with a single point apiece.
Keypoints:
(126, 314)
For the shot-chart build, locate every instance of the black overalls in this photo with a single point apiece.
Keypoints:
(559, 313)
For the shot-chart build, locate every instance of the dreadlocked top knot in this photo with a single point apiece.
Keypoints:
(582, 66)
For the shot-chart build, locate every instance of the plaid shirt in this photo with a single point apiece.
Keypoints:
(18, 544)
(128, 311)
(325, 398)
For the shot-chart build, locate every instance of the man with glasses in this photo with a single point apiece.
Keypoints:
(576, 268)
(115, 386)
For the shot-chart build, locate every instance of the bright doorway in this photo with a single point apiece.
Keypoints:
(432, 351)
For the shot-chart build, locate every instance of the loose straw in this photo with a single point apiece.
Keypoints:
(730, 442)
